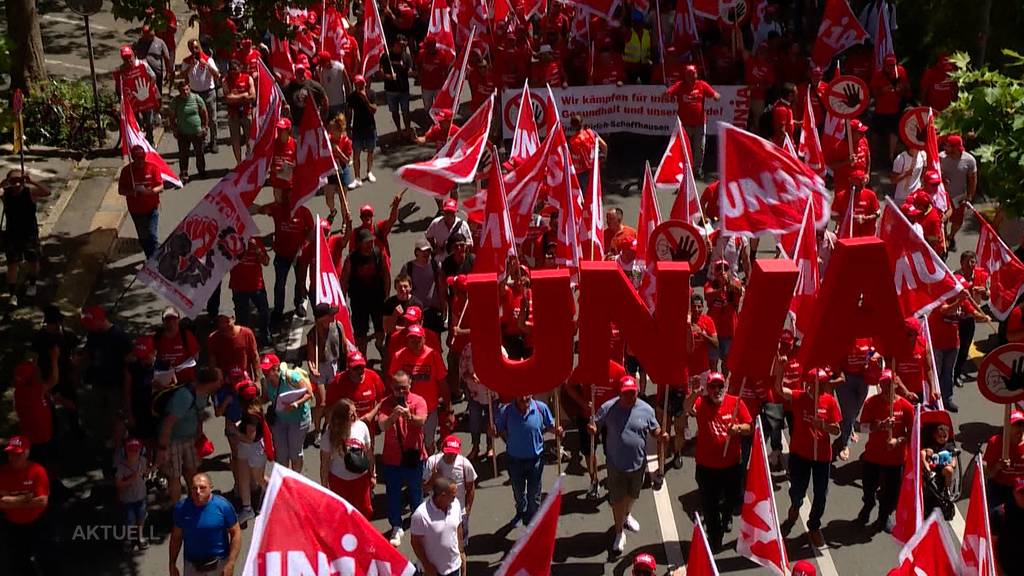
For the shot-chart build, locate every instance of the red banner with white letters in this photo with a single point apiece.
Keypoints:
(839, 30)
(1006, 272)
(313, 154)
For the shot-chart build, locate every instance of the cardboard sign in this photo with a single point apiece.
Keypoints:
(847, 97)
(733, 12)
(678, 241)
(914, 127)
(1001, 374)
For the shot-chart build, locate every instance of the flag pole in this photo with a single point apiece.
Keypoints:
(558, 438)
(592, 459)
(735, 411)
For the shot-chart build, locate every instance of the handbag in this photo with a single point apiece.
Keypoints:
(356, 460)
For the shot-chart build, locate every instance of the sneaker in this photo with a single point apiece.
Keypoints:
(396, 537)
(658, 481)
(14, 300)
(631, 524)
(515, 521)
(677, 462)
(620, 543)
(817, 538)
(30, 289)
(890, 522)
(371, 177)
(245, 514)
(593, 493)
(950, 405)
(355, 184)
(300, 310)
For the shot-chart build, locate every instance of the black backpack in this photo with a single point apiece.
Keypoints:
(162, 398)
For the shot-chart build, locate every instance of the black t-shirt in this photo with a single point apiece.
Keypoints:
(21, 211)
(362, 113)
(142, 399)
(42, 343)
(401, 65)
(297, 95)
(366, 275)
(392, 302)
(452, 268)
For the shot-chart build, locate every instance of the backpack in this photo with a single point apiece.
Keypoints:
(158, 405)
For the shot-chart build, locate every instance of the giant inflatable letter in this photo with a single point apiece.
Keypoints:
(764, 310)
(551, 362)
(857, 300)
(657, 340)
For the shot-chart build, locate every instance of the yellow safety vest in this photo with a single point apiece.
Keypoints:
(638, 48)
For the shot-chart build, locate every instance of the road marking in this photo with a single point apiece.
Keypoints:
(666, 518)
(63, 20)
(52, 62)
(826, 567)
(294, 341)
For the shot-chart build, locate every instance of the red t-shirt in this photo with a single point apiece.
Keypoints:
(760, 75)
(511, 300)
(433, 69)
(396, 341)
(700, 358)
(32, 405)
(723, 307)
(889, 93)
(247, 275)
(609, 68)
(864, 204)
(876, 409)
(290, 232)
(411, 436)
(364, 395)
(131, 176)
(605, 390)
(32, 479)
(911, 367)
(856, 360)
(690, 101)
(426, 369)
(782, 119)
(712, 431)
(438, 135)
(283, 154)
(343, 143)
(805, 437)
(945, 331)
(994, 453)
(937, 89)
(234, 351)
(709, 200)
(547, 72)
(931, 225)
(581, 147)
(841, 152)
(176, 349)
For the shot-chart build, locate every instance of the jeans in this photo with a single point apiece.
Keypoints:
(945, 359)
(719, 494)
(146, 226)
(478, 414)
(801, 471)
(851, 395)
(696, 135)
(886, 481)
(967, 326)
(210, 98)
(526, 475)
(188, 143)
(396, 478)
(282, 266)
(257, 298)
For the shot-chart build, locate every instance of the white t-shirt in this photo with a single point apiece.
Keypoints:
(200, 76)
(440, 533)
(359, 437)
(915, 163)
(459, 472)
(333, 81)
(438, 233)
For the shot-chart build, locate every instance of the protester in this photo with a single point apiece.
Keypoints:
(1002, 474)
(1007, 522)
(888, 419)
(907, 170)
(431, 70)
(325, 351)
(723, 294)
(133, 67)
(848, 155)
(291, 232)
(24, 500)
(180, 426)
(446, 225)
(341, 148)
(303, 91)
(864, 203)
(975, 281)
(960, 176)
(851, 393)
(141, 184)
(232, 348)
(190, 123)
(429, 380)
(616, 234)
(366, 278)
(34, 408)
(239, 95)
(931, 218)
(690, 94)
(436, 526)
(130, 481)
(206, 529)
(522, 423)
(176, 345)
(203, 79)
(334, 78)
(890, 88)
(361, 385)
(346, 457)
(364, 129)
(290, 394)
(397, 65)
(450, 464)
(20, 195)
(581, 146)
(155, 53)
(401, 419)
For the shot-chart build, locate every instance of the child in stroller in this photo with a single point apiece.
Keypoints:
(939, 462)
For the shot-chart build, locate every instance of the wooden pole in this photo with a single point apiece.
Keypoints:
(735, 412)
(665, 420)
(558, 418)
(491, 404)
(1007, 410)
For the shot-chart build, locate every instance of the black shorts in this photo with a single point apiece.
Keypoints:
(676, 398)
(365, 311)
(21, 247)
(887, 124)
(581, 425)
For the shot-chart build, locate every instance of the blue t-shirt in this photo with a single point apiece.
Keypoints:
(205, 529)
(524, 433)
(627, 429)
(233, 412)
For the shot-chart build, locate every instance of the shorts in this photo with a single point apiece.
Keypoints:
(886, 124)
(724, 344)
(959, 208)
(364, 141)
(676, 398)
(21, 247)
(622, 484)
(191, 570)
(365, 311)
(252, 454)
(581, 425)
(181, 457)
(134, 512)
(288, 440)
(430, 428)
(398, 100)
(346, 176)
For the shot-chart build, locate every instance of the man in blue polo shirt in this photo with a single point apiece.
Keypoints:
(522, 424)
(207, 525)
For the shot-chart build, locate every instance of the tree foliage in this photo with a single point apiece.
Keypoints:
(990, 112)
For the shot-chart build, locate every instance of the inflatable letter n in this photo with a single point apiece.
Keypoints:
(765, 306)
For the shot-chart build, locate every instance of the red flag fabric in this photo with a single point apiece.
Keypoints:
(833, 132)
(303, 525)
(839, 30)
(532, 553)
(568, 200)
(500, 10)
(675, 172)
(592, 233)
(977, 547)
(1006, 272)
(760, 538)
(469, 15)
(701, 561)
(334, 34)
(684, 26)
(764, 188)
(910, 506)
(706, 8)
(268, 104)
(132, 136)
(440, 27)
(137, 85)
(810, 144)
(808, 280)
(940, 199)
(281, 59)
(883, 39)
(456, 162)
(328, 286)
(447, 98)
(313, 154)
(931, 551)
(497, 242)
(526, 139)
(602, 8)
(533, 7)
(374, 44)
(923, 281)
(649, 216)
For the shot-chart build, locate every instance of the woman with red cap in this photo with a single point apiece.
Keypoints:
(931, 219)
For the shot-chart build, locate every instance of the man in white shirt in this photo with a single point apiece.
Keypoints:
(907, 169)
(334, 79)
(203, 76)
(445, 225)
(451, 464)
(436, 528)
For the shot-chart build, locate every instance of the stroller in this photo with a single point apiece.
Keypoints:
(941, 490)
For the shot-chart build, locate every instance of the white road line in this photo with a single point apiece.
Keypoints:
(294, 341)
(826, 567)
(52, 62)
(666, 518)
(63, 20)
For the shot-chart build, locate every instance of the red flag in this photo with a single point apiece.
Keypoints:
(675, 172)
(497, 241)
(533, 551)
(456, 162)
(839, 30)
(760, 538)
(977, 547)
(448, 96)
(592, 235)
(328, 286)
(808, 280)
(500, 11)
(706, 8)
(810, 144)
(132, 136)
(374, 44)
(569, 202)
(303, 525)
(268, 103)
(684, 27)
(526, 139)
(941, 198)
(833, 132)
(440, 27)
(537, 7)
(649, 216)
(281, 59)
(931, 551)
(764, 188)
(602, 8)
(138, 86)
(883, 39)
(701, 561)
(470, 15)
(313, 154)
(923, 281)
(910, 506)
(1006, 273)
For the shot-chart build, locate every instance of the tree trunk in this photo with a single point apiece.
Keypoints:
(27, 60)
(984, 27)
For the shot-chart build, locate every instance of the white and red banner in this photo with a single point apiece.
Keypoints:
(268, 104)
(922, 279)
(701, 561)
(568, 200)
(760, 539)
(304, 528)
(839, 31)
(138, 86)
(765, 189)
(533, 552)
(883, 39)
(447, 98)
(602, 8)
(909, 513)
(132, 136)
(931, 551)
(684, 26)
(456, 162)
(327, 285)
(313, 154)
(592, 233)
(808, 279)
(707, 8)
(440, 27)
(532, 7)
(469, 15)
(526, 137)
(675, 173)
(976, 551)
(809, 147)
(649, 215)
(940, 199)
(497, 242)
(637, 109)
(1006, 272)
(375, 45)
(206, 244)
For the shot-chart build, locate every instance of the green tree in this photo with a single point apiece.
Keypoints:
(28, 66)
(990, 112)
(252, 19)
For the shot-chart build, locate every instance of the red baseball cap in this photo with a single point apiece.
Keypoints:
(645, 561)
(955, 141)
(859, 176)
(452, 445)
(284, 124)
(413, 314)
(414, 331)
(890, 60)
(932, 177)
(359, 79)
(804, 568)
(247, 390)
(858, 126)
(355, 358)
(92, 317)
(1016, 417)
(450, 205)
(133, 445)
(269, 360)
(628, 383)
(18, 445)
(24, 372)
(366, 209)
(716, 377)
(885, 375)
(144, 346)
(127, 52)
(443, 115)
(816, 374)
(137, 152)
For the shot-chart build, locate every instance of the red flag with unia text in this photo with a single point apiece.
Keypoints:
(701, 561)
(675, 172)
(268, 104)
(940, 199)
(497, 242)
(456, 162)
(132, 136)
(592, 232)
(305, 528)
(440, 27)
(839, 30)
(931, 551)
(327, 286)
(808, 280)
(281, 59)
(976, 550)
(567, 199)
(909, 513)
(922, 279)
(765, 189)
(469, 15)
(374, 44)
(313, 154)
(447, 98)
(649, 215)
(1006, 272)
(809, 147)
(533, 551)
(760, 538)
(526, 139)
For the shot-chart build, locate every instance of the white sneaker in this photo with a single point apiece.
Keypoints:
(396, 537)
(371, 177)
(620, 543)
(631, 524)
(245, 514)
(355, 184)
